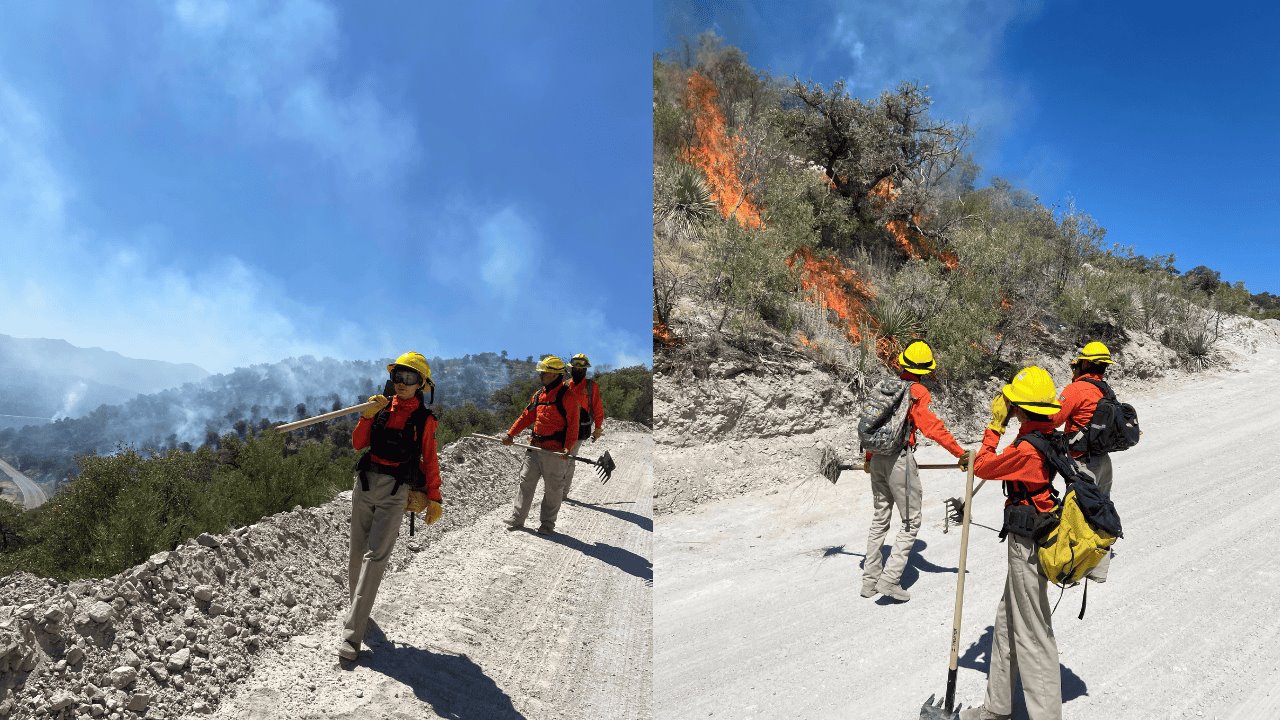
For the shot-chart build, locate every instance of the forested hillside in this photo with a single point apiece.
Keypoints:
(850, 225)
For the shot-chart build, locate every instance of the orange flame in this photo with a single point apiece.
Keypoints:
(840, 289)
(915, 245)
(717, 154)
(662, 333)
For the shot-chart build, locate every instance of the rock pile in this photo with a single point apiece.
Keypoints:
(169, 636)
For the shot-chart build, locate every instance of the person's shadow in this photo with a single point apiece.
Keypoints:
(645, 523)
(452, 685)
(621, 558)
(978, 657)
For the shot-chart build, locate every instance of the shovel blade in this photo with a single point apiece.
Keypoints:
(929, 711)
(605, 467)
(955, 509)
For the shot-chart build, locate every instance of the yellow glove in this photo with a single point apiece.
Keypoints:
(965, 458)
(434, 511)
(416, 502)
(999, 413)
(595, 435)
(382, 403)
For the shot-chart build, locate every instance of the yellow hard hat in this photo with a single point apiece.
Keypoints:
(551, 363)
(413, 361)
(1094, 352)
(579, 361)
(1032, 390)
(917, 357)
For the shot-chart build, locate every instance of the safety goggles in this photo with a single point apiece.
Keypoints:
(406, 377)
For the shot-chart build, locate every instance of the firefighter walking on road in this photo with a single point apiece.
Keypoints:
(552, 414)
(399, 471)
(591, 409)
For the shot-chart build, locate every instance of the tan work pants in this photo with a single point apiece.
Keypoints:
(552, 468)
(375, 525)
(1023, 642)
(568, 477)
(894, 481)
(1100, 467)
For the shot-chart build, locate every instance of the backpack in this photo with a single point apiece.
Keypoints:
(585, 421)
(403, 446)
(882, 422)
(1113, 427)
(1087, 524)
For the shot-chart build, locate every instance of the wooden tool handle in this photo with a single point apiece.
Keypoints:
(326, 416)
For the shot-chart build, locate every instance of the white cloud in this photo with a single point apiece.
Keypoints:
(949, 45)
(509, 246)
(276, 62)
(61, 281)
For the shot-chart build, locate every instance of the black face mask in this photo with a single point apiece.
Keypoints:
(578, 373)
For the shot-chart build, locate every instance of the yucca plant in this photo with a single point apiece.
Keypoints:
(895, 322)
(682, 201)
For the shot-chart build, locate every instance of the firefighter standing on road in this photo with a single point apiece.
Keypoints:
(553, 415)
(1023, 643)
(895, 480)
(1079, 401)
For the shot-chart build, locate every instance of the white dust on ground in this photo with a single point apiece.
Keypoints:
(495, 624)
(758, 613)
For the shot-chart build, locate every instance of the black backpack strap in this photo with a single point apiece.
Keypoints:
(1107, 392)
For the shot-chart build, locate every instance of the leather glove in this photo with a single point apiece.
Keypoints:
(965, 458)
(416, 502)
(434, 511)
(866, 465)
(565, 454)
(507, 440)
(382, 403)
(595, 435)
(999, 413)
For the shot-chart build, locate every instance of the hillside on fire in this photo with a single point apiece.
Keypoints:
(792, 219)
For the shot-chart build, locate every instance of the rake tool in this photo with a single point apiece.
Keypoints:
(955, 509)
(946, 711)
(830, 465)
(604, 466)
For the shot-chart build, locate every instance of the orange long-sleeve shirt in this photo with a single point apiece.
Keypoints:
(1079, 402)
(546, 420)
(1018, 463)
(593, 404)
(400, 412)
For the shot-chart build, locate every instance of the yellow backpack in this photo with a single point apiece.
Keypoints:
(1075, 546)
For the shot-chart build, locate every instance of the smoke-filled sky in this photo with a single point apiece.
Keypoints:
(1157, 118)
(226, 183)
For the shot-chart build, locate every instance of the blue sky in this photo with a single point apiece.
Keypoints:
(235, 182)
(1157, 118)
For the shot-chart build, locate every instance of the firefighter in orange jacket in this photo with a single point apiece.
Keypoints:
(1079, 401)
(895, 480)
(1023, 641)
(553, 414)
(400, 434)
(591, 409)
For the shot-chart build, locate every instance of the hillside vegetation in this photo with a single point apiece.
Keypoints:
(840, 228)
(122, 507)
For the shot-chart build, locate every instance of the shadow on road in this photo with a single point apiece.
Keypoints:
(645, 523)
(623, 559)
(452, 685)
(978, 657)
(916, 563)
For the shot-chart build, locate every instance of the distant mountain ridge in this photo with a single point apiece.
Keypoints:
(44, 378)
(216, 404)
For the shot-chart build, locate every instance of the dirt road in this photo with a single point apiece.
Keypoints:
(757, 611)
(495, 624)
(33, 495)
